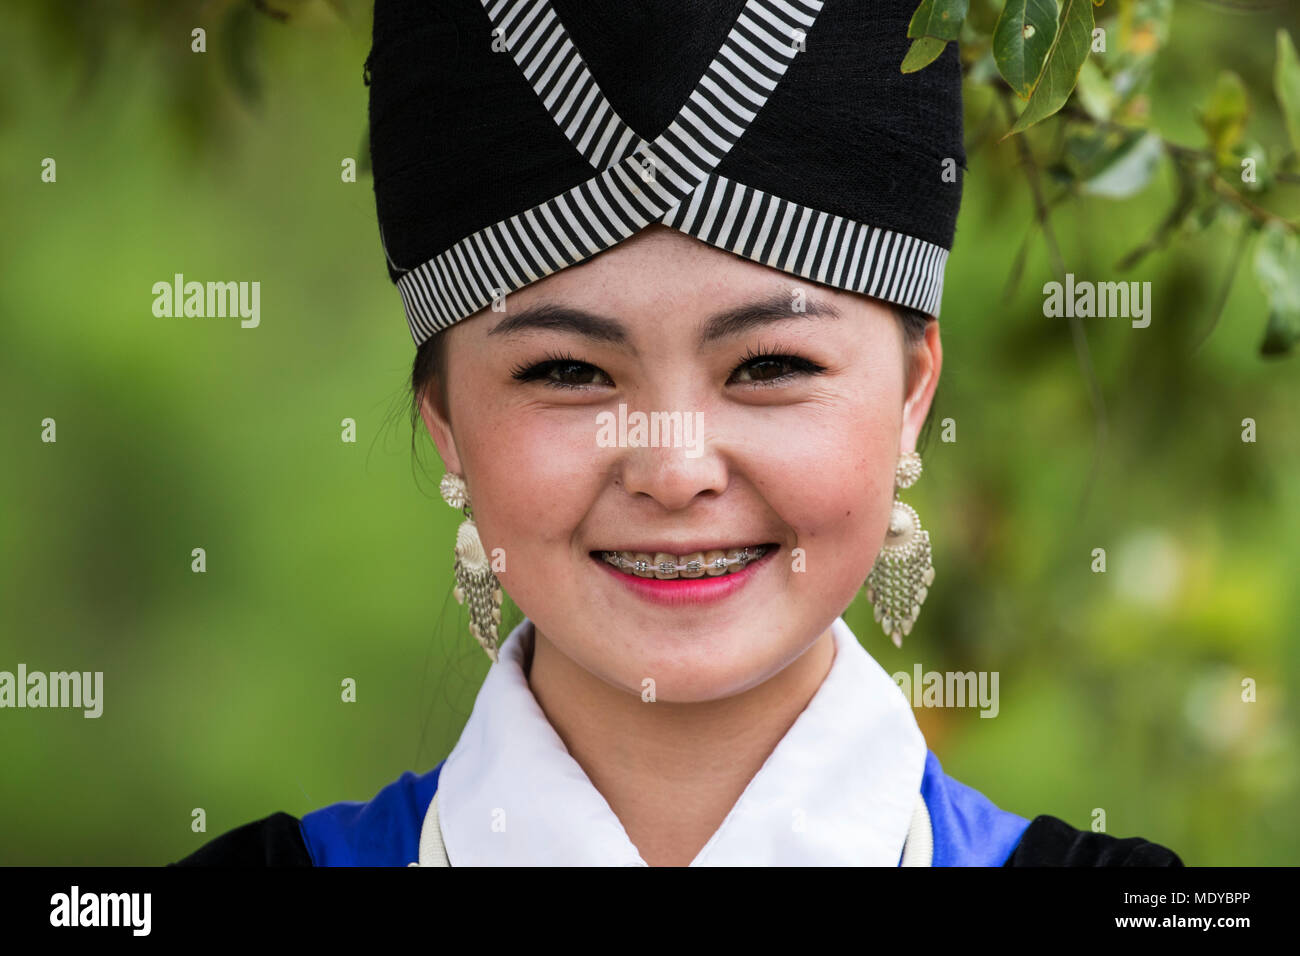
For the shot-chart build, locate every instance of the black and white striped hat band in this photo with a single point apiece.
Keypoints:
(678, 178)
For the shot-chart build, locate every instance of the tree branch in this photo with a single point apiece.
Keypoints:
(1043, 215)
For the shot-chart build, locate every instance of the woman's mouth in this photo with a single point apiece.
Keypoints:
(694, 577)
(714, 562)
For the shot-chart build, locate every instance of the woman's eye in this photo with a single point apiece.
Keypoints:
(769, 369)
(563, 373)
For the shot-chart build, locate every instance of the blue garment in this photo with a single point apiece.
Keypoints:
(968, 829)
(385, 831)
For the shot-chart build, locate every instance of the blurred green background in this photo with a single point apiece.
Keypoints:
(328, 560)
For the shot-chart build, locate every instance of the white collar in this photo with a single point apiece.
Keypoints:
(839, 789)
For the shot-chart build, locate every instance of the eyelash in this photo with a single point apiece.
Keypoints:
(540, 370)
(798, 364)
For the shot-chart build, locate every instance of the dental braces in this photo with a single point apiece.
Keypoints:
(667, 567)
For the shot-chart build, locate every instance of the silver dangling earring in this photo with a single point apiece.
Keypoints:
(900, 580)
(474, 577)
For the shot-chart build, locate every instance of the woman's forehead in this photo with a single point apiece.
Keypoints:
(627, 309)
(660, 266)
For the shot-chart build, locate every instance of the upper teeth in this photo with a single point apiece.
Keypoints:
(697, 564)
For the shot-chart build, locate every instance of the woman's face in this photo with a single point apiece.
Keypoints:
(796, 448)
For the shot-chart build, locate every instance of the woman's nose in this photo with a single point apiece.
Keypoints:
(665, 456)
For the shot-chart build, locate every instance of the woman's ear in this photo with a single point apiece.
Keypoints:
(438, 422)
(927, 361)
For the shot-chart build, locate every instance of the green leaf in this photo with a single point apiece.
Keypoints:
(1129, 169)
(1061, 66)
(1286, 82)
(1202, 219)
(1224, 115)
(1250, 149)
(1277, 269)
(1021, 40)
(1096, 95)
(1137, 34)
(940, 19)
(923, 52)
(1060, 173)
(1086, 149)
(1279, 335)
(983, 70)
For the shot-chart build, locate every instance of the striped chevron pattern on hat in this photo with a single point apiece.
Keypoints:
(672, 178)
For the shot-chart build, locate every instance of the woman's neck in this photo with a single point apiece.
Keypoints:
(671, 772)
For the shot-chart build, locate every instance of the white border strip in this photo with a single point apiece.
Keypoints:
(759, 226)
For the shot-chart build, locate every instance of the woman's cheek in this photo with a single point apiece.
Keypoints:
(535, 475)
(832, 487)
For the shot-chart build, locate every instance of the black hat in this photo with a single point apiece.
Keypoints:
(513, 138)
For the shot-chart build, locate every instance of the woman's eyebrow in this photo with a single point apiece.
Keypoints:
(777, 307)
(550, 316)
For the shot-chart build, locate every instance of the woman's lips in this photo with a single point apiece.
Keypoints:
(680, 590)
(655, 563)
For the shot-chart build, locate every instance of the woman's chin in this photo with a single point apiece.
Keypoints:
(693, 666)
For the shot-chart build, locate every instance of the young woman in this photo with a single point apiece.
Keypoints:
(674, 276)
